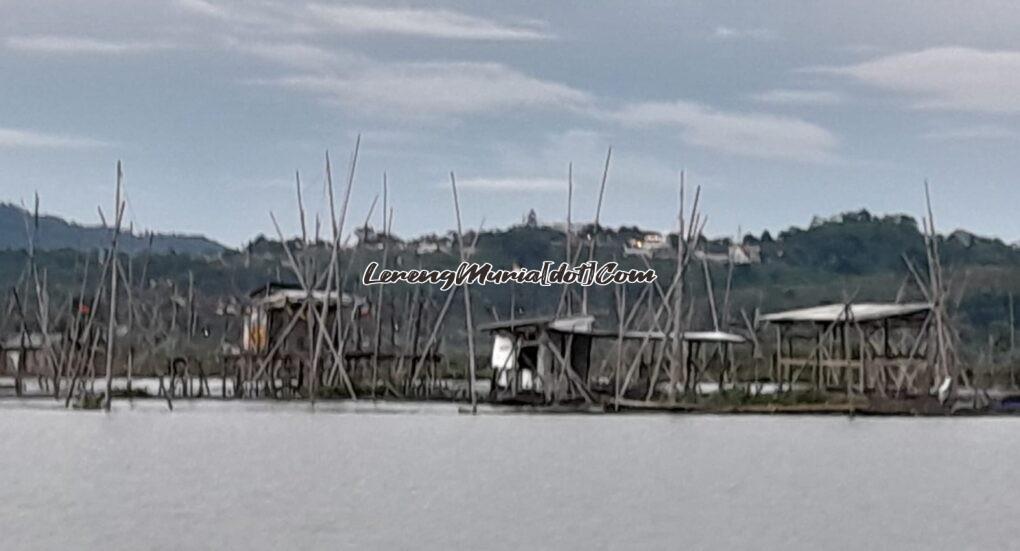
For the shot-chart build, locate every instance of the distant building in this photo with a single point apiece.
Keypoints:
(426, 247)
(26, 353)
(432, 245)
(739, 255)
(647, 245)
(372, 240)
(745, 254)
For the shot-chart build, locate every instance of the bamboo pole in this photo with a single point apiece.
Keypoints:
(595, 228)
(379, 293)
(570, 232)
(310, 309)
(112, 322)
(1012, 342)
(467, 301)
(709, 292)
(621, 306)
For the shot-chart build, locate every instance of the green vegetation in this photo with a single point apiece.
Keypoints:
(55, 233)
(851, 256)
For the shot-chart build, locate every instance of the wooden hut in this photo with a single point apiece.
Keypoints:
(710, 354)
(856, 347)
(278, 342)
(25, 353)
(271, 319)
(528, 354)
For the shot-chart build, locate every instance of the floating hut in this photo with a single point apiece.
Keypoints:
(528, 355)
(277, 346)
(527, 352)
(856, 347)
(26, 354)
(270, 320)
(707, 352)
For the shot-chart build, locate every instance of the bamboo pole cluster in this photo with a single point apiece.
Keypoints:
(338, 340)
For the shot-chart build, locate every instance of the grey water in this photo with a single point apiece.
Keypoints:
(265, 476)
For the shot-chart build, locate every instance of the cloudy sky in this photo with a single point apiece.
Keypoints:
(779, 111)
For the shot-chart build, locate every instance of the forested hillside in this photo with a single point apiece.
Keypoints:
(853, 256)
(55, 233)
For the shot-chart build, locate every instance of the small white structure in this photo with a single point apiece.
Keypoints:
(426, 247)
(26, 352)
(739, 255)
(647, 245)
(653, 240)
(521, 354)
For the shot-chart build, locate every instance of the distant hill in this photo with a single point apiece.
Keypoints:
(853, 255)
(56, 233)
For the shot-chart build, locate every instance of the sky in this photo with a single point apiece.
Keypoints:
(779, 111)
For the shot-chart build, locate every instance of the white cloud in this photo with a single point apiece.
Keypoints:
(439, 88)
(202, 7)
(296, 55)
(780, 96)
(968, 133)
(948, 78)
(511, 184)
(59, 44)
(732, 33)
(272, 17)
(16, 138)
(261, 17)
(433, 23)
(748, 134)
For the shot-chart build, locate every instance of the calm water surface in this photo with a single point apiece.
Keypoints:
(243, 476)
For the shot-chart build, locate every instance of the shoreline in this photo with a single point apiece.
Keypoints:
(462, 407)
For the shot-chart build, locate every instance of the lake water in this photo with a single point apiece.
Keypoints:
(266, 476)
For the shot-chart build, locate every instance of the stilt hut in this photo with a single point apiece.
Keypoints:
(24, 354)
(552, 357)
(528, 353)
(885, 348)
(278, 336)
(708, 354)
(270, 321)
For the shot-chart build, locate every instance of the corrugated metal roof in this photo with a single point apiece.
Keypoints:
(713, 336)
(690, 336)
(583, 325)
(563, 324)
(282, 297)
(829, 313)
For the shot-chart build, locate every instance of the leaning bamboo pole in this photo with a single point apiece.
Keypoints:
(332, 278)
(440, 318)
(946, 364)
(339, 274)
(467, 301)
(310, 310)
